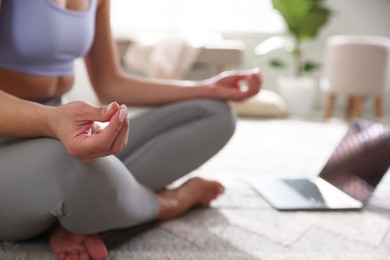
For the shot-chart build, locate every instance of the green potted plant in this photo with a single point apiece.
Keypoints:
(303, 19)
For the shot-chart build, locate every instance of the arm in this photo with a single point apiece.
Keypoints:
(110, 83)
(23, 119)
(74, 124)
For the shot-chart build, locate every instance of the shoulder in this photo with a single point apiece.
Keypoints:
(100, 2)
(103, 5)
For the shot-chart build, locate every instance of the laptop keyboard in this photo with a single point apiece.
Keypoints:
(307, 189)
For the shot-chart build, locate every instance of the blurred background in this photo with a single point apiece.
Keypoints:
(224, 34)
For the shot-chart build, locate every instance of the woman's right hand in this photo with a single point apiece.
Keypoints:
(84, 131)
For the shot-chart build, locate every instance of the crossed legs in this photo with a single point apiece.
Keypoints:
(49, 186)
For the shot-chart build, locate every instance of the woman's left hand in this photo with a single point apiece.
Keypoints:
(235, 85)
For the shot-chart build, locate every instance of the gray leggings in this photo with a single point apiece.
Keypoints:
(41, 184)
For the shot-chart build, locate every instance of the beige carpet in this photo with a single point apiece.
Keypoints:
(240, 225)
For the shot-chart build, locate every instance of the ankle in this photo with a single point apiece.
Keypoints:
(169, 203)
(195, 191)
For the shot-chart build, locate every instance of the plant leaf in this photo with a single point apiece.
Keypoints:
(304, 18)
(310, 66)
(313, 22)
(276, 63)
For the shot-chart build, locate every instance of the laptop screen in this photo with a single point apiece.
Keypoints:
(360, 160)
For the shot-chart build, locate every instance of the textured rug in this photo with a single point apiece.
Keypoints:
(240, 224)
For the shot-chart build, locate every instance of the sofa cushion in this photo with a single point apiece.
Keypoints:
(265, 104)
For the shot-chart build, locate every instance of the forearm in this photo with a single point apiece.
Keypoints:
(139, 91)
(23, 119)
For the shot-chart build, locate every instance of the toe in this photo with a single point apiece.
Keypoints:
(95, 247)
(84, 256)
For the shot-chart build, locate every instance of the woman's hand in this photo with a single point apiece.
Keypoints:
(235, 85)
(84, 131)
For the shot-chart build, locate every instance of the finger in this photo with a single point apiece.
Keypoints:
(121, 139)
(116, 124)
(250, 85)
(74, 256)
(257, 73)
(118, 145)
(84, 256)
(249, 72)
(101, 145)
(101, 114)
(249, 76)
(103, 141)
(256, 70)
(254, 84)
(62, 256)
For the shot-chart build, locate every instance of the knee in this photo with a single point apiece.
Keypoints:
(222, 123)
(223, 117)
(105, 190)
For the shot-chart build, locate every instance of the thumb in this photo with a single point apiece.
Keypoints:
(102, 113)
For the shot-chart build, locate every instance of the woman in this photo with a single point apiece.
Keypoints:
(58, 170)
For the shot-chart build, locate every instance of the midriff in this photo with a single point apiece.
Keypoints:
(33, 87)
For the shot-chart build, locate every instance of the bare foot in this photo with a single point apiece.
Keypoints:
(194, 192)
(69, 246)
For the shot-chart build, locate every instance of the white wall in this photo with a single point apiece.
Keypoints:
(350, 17)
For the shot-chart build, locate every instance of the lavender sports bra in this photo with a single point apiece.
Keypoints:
(41, 38)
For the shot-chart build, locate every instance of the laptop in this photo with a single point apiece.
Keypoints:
(347, 180)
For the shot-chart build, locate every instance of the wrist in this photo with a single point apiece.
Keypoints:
(204, 89)
(50, 118)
